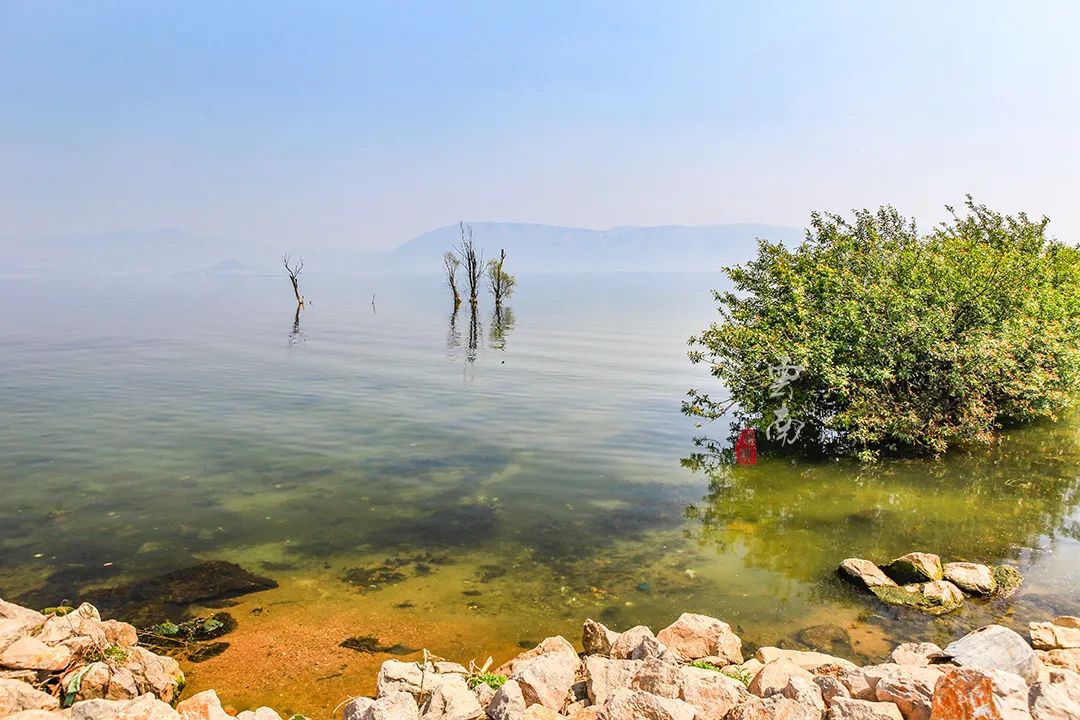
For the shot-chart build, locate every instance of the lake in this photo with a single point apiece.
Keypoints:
(498, 481)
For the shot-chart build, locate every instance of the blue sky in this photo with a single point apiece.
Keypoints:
(362, 124)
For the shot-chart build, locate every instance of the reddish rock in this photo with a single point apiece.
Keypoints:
(972, 694)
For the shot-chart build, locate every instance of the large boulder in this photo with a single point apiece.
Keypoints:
(852, 709)
(639, 705)
(637, 643)
(546, 678)
(972, 694)
(919, 654)
(831, 688)
(995, 647)
(865, 573)
(1061, 633)
(596, 638)
(806, 659)
(972, 578)
(10, 631)
(805, 692)
(16, 696)
(694, 637)
(915, 567)
(604, 676)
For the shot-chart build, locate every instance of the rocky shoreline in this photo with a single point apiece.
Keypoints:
(76, 666)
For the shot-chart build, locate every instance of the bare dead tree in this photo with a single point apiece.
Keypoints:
(473, 261)
(294, 270)
(500, 283)
(451, 263)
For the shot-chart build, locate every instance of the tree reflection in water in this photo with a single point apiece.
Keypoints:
(801, 518)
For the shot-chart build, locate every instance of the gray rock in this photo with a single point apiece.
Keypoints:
(972, 578)
(995, 647)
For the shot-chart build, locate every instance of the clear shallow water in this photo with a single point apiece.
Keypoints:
(148, 424)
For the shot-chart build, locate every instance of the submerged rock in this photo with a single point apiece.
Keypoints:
(972, 578)
(915, 567)
(148, 601)
(936, 598)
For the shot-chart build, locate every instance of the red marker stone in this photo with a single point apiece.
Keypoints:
(746, 447)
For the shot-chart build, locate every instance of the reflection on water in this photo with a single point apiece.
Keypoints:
(148, 426)
(502, 322)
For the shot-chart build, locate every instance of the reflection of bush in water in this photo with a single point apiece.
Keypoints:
(802, 519)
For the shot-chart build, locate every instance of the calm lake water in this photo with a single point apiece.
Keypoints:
(518, 474)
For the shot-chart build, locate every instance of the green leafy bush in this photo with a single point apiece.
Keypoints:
(906, 342)
(490, 679)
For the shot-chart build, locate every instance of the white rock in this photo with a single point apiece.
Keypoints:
(603, 676)
(16, 696)
(971, 577)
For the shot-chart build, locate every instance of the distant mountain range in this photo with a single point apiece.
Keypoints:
(529, 248)
(551, 248)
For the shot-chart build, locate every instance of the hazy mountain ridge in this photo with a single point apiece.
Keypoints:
(554, 248)
(529, 247)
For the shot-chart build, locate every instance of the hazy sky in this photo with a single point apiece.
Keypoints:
(362, 124)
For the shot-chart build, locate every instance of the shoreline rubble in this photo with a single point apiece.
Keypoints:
(77, 666)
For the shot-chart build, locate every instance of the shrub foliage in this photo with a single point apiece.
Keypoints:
(908, 342)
